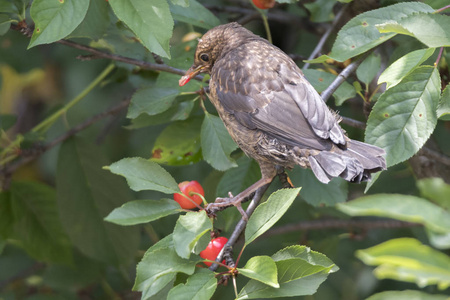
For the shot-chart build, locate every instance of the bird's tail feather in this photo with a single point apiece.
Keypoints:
(354, 164)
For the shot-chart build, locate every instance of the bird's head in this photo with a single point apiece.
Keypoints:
(212, 46)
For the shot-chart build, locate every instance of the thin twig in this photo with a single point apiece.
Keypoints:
(326, 94)
(436, 155)
(112, 111)
(247, 18)
(116, 57)
(353, 123)
(131, 61)
(241, 224)
(439, 57)
(339, 224)
(325, 36)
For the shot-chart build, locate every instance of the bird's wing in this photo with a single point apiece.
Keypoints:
(263, 92)
(316, 112)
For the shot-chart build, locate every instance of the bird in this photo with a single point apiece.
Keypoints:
(273, 113)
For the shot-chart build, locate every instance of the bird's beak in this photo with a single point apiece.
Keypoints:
(192, 72)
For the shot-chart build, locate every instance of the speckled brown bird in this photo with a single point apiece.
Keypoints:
(273, 113)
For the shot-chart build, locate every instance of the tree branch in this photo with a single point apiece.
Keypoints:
(240, 226)
(127, 60)
(97, 53)
(339, 224)
(326, 94)
(325, 36)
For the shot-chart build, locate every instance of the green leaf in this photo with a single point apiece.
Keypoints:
(179, 143)
(436, 190)
(321, 80)
(8, 7)
(184, 3)
(404, 116)
(159, 287)
(406, 295)
(176, 112)
(157, 269)
(202, 243)
(269, 212)
(188, 230)
(439, 240)
(317, 193)
(431, 29)
(142, 211)
(35, 223)
(443, 109)
(196, 15)
(7, 121)
(54, 20)
(360, 33)
(142, 174)
(200, 286)
(300, 287)
(5, 24)
(166, 242)
(261, 268)
(121, 41)
(404, 66)
(237, 179)
(402, 207)
(164, 286)
(369, 68)
(406, 259)
(305, 253)
(151, 100)
(151, 21)
(321, 10)
(86, 194)
(296, 268)
(95, 22)
(300, 272)
(217, 143)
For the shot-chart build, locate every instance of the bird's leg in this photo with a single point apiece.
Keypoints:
(284, 178)
(268, 172)
(237, 200)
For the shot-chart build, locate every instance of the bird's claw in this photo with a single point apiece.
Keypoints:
(225, 202)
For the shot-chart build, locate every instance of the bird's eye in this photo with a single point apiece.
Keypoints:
(204, 57)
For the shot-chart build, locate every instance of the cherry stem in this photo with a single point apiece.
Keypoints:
(234, 285)
(239, 256)
(219, 263)
(439, 56)
(187, 197)
(442, 9)
(200, 195)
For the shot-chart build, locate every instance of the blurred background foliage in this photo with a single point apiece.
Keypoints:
(54, 243)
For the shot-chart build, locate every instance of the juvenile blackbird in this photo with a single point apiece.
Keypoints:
(273, 113)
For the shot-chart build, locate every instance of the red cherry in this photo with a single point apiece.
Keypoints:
(264, 4)
(187, 188)
(213, 249)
